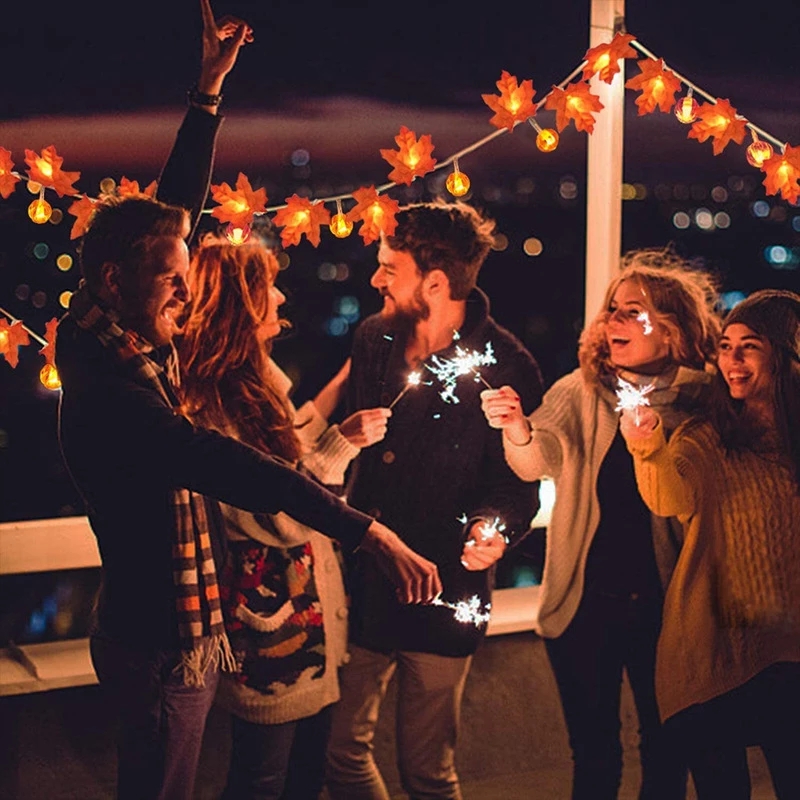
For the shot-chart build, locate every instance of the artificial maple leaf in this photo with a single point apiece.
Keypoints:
(82, 210)
(718, 120)
(239, 205)
(412, 159)
(657, 85)
(46, 169)
(301, 216)
(514, 103)
(128, 188)
(376, 212)
(604, 58)
(8, 179)
(12, 337)
(783, 173)
(49, 350)
(577, 103)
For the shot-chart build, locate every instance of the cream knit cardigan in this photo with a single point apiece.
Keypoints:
(326, 453)
(573, 429)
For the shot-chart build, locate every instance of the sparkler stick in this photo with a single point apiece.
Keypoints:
(632, 398)
(467, 610)
(413, 379)
(449, 370)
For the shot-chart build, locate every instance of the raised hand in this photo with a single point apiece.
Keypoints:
(637, 423)
(221, 43)
(366, 427)
(503, 409)
(416, 579)
(483, 547)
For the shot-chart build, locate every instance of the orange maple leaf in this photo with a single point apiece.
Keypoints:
(239, 205)
(49, 350)
(82, 210)
(46, 169)
(577, 103)
(12, 337)
(604, 58)
(718, 120)
(8, 179)
(376, 212)
(657, 85)
(783, 173)
(514, 103)
(301, 216)
(412, 159)
(128, 188)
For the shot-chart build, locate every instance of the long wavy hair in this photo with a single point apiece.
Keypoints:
(684, 300)
(226, 381)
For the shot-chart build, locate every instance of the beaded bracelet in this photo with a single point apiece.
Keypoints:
(195, 96)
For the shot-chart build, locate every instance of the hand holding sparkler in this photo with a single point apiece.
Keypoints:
(366, 427)
(503, 409)
(485, 544)
(633, 400)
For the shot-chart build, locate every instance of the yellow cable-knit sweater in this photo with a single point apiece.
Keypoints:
(732, 607)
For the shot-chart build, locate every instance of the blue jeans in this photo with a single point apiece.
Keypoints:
(610, 634)
(161, 719)
(278, 762)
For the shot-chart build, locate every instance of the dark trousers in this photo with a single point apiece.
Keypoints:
(161, 719)
(765, 712)
(278, 762)
(609, 634)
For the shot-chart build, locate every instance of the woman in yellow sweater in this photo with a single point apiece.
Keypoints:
(728, 659)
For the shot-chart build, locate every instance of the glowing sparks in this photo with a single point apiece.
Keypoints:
(632, 398)
(486, 530)
(644, 318)
(449, 370)
(413, 379)
(471, 610)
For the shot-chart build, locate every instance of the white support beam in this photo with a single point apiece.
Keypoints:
(604, 165)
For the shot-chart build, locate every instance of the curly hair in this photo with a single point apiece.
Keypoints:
(684, 300)
(224, 360)
(452, 237)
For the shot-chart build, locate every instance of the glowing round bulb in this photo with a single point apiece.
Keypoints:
(758, 152)
(686, 109)
(340, 226)
(547, 140)
(40, 210)
(107, 185)
(237, 234)
(48, 376)
(457, 183)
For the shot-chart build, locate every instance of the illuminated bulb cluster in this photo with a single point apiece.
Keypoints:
(758, 152)
(340, 226)
(48, 376)
(546, 138)
(686, 109)
(457, 182)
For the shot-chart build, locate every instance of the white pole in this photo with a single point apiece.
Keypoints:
(604, 165)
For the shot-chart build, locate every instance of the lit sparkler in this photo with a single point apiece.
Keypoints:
(632, 398)
(644, 318)
(449, 370)
(471, 610)
(487, 530)
(413, 379)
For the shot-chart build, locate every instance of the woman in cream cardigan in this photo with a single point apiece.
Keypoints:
(607, 558)
(282, 588)
(728, 666)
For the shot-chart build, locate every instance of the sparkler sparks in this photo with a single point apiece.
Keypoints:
(413, 379)
(449, 370)
(644, 318)
(471, 610)
(632, 398)
(487, 530)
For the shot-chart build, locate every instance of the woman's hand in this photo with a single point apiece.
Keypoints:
(221, 43)
(503, 409)
(366, 427)
(637, 423)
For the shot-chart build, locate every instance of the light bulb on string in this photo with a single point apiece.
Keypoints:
(686, 108)
(48, 377)
(40, 210)
(457, 182)
(546, 138)
(340, 226)
(758, 151)
(237, 234)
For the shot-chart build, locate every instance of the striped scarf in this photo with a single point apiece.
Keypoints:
(204, 643)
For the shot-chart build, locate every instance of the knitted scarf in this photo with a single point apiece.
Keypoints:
(204, 643)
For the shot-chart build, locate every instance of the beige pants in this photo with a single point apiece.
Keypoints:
(429, 692)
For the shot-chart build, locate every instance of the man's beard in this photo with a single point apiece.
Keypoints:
(408, 316)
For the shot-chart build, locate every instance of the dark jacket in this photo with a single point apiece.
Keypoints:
(440, 462)
(126, 450)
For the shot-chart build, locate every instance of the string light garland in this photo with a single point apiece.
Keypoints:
(571, 99)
